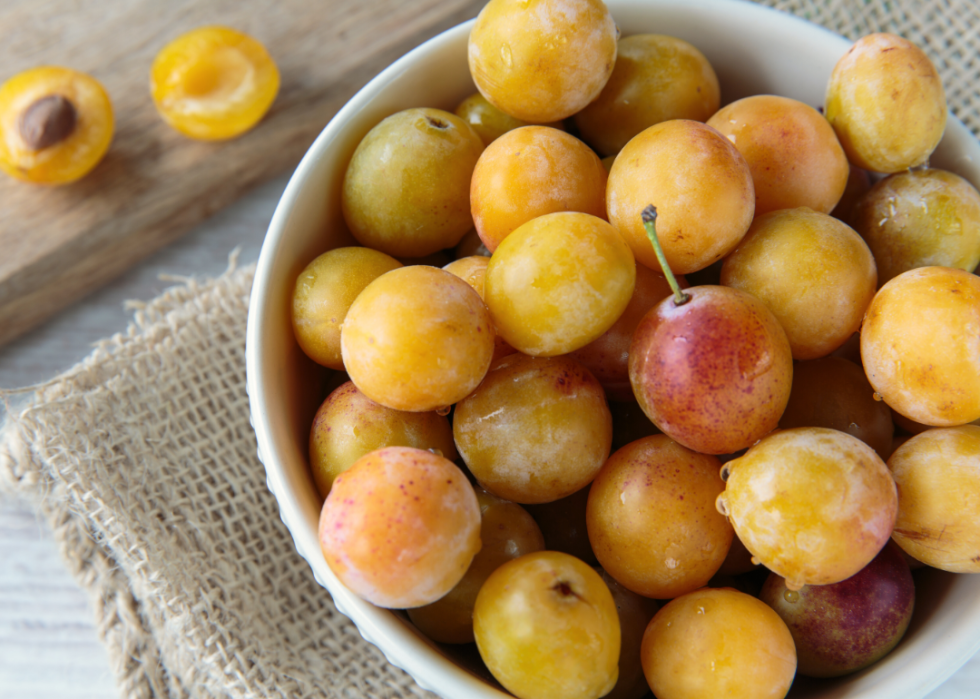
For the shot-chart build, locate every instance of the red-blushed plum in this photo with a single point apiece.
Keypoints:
(846, 626)
(507, 532)
(400, 527)
(718, 643)
(652, 519)
(714, 373)
(546, 626)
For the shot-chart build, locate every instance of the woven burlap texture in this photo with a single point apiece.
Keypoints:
(142, 460)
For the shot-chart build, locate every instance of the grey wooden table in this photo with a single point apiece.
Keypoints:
(48, 644)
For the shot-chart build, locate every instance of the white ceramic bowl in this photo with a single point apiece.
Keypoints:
(754, 50)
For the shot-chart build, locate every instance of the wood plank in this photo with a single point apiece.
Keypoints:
(57, 244)
(48, 641)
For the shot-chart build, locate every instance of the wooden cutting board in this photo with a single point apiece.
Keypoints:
(57, 244)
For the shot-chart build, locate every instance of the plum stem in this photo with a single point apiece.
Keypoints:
(649, 216)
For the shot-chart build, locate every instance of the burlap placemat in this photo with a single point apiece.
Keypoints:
(143, 461)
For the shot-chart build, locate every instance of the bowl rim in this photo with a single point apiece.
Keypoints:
(400, 644)
(431, 669)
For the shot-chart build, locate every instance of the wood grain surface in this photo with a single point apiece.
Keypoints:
(58, 244)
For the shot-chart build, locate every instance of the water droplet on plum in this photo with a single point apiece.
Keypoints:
(506, 56)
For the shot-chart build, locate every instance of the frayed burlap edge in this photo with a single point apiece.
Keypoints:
(134, 656)
(142, 461)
